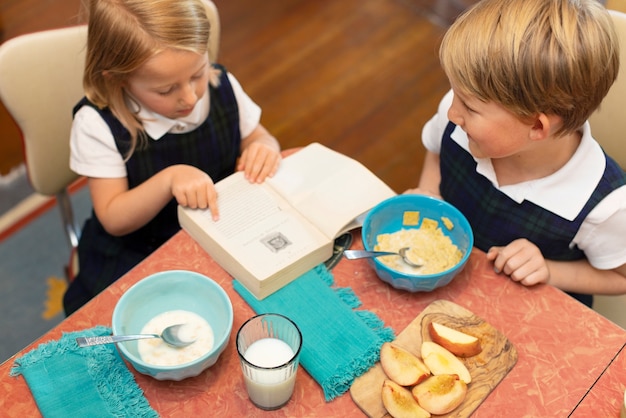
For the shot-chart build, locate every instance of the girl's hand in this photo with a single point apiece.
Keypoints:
(522, 261)
(260, 155)
(259, 161)
(193, 188)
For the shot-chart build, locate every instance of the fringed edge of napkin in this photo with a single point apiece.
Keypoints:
(54, 347)
(116, 384)
(341, 381)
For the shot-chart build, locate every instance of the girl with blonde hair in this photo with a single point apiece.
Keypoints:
(159, 124)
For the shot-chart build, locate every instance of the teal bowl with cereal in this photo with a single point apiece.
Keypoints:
(438, 233)
(167, 298)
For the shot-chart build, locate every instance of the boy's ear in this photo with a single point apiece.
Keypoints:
(543, 126)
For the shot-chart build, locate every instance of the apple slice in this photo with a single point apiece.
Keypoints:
(401, 366)
(400, 403)
(440, 394)
(457, 342)
(441, 361)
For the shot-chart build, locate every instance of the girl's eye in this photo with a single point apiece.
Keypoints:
(164, 93)
(198, 75)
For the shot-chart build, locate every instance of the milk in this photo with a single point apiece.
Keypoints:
(270, 388)
(157, 352)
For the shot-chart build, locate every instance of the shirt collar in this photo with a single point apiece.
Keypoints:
(156, 125)
(566, 191)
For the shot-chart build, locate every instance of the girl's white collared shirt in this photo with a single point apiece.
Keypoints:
(93, 150)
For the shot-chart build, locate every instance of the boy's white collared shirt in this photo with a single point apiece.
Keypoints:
(601, 236)
(566, 191)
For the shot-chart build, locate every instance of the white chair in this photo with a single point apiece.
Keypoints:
(40, 82)
(608, 123)
(214, 39)
(608, 126)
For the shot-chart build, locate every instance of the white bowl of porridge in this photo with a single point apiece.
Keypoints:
(440, 236)
(169, 298)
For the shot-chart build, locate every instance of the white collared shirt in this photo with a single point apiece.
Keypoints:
(602, 236)
(93, 149)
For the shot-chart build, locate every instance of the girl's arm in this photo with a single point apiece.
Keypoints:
(122, 210)
(260, 155)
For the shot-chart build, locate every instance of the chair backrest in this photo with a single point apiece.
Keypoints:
(40, 82)
(214, 38)
(608, 123)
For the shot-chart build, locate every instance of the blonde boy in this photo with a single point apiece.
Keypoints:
(511, 146)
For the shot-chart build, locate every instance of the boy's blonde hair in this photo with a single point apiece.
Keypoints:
(557, 57)
(124, 34)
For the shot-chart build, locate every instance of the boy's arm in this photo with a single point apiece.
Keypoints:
(581, 277)
(430, 176)
(523, 262)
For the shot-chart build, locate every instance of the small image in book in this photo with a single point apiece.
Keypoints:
(276, 242)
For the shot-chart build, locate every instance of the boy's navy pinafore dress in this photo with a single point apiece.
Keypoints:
(497, 220)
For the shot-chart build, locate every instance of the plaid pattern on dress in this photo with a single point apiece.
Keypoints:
(497, 219)
(213, 147)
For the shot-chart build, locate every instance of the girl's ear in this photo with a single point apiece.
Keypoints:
(106, 74)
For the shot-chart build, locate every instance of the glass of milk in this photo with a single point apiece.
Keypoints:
(269, 350)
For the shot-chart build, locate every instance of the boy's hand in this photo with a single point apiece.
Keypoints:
(418, 190)
(522, 261)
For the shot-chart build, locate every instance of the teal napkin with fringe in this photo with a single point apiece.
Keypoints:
(339, 343)
(69, 381)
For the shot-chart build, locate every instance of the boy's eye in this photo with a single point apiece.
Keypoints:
(468, 108)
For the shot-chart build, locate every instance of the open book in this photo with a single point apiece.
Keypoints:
(269, 234)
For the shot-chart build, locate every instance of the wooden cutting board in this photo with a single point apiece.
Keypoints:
(487, 368)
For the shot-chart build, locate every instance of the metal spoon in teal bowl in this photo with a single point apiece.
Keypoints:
(402, 252)
(170, 335)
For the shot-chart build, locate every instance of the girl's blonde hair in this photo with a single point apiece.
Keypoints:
(123, 35)
(557, 57)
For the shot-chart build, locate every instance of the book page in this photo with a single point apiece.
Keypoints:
(257, 227)
(329, 188)
(236, 215)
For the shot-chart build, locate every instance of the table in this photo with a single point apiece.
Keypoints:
(571, 360)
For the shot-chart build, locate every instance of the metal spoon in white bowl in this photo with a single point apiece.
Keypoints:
(402, 252)
(170, 335)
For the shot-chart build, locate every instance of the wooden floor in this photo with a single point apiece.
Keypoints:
(360, 76)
